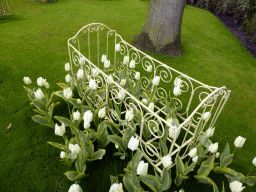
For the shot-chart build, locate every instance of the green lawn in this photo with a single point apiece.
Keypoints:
(33, 43)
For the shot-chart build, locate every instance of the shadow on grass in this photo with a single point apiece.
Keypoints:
(10, 18)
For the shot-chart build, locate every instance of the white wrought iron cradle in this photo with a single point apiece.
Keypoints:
(96, 39)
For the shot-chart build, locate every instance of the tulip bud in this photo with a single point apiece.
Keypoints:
(80, 74)
(177, 82)
(133, 143)
(27, 80)
(75, 188)
(129, 115)
(88, 116)
(47, 85)
(62, 154)
(116, 187)
(67, 67)
(123, 81)
(217, 155)
(103, 58)
(41, 81)
(60, 130)
(102, 112)
(121, 95)
(68, 78)
(118, 47)
(254, 161)
(209, 132)
(76, 115)
(145, 101)
(39, 94)
(132, 64)
(206, 116)
(151, 106)
(194, 159)
(95, 72)
(107, 64)
(137, 76)
(236, 186)
(126, 60)
(239, 142)
(156, 81)
(174, 132)
(149, 68)
(74, 148)
(193, 152)
(142, 168)
(82, 61)
(213, 148)
(92, 84)
(167, 161)
(116, 146)
(67, 93)
(78, 101)
(86, 124)
(176, 91)
(110, 79)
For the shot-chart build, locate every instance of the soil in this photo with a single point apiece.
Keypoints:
(234, 28)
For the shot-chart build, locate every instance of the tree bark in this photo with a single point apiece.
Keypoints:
(162, 30)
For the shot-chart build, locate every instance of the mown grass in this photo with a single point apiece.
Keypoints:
(34, 43)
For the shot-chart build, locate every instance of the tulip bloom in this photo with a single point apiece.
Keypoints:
(60, 130)
(145, 101)
(39, 94)
(86, 124)
(239, 142)
(133, 143)
(95, 72)
(110, 79)
(129, 115)
(213, 148)
(195, 159)
(126, 60)
(176, 91)
(121, 95)
(103, 58)
(151, 106)
(156, 81)
(142, 168)
(88, 116)
(132, 64)
(67, 93)
(78, 101)
(209, 132)
(193, 152)
(116, 187)
(137, 76)
(149, 68)
(80, 74)
(118, 47)
(92, 84)
(74, 148)
(62, 154)
(174, 132)
(102, 112)
(206, 116)
(68, 78)
(123, 81)
(27, 80)
(41, 81)
(254, 161)
(67, 67)
(82, 61)
(236, 186)
(167, 161)
(76, 115)
(75, 188)
(177, 82)
(217, 155)
(47, 85)
(107, 64)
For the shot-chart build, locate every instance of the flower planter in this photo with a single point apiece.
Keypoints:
(196, 106)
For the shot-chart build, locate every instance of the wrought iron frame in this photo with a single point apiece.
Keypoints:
(209, 98)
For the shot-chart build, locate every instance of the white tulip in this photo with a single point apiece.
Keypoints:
(132, 64)
(27, 80)
(67, 67)
(47, 85)
(41, 81)
(254, 161)
(78, 101)
(116, 146)
(239, 142)
(67, 93)
(60, 130)
(95, 72)
(110, 79)
(149, 68)
(74, 148)
(80, 74)
(193, 152)
(92, 84)
(75, 188)
(76, 115)
(167, 161)
(174, 132)
(213, 148)
(194, 159)
(177, 91)
(88, 116)
(217, 155)
(236, 186)
(142, 168)
(103, 58)
(62, 154)
(82, 61)
(177, 82)
(86, 124)
(121, 95)
(129, 115)
(134, 85)
(137, 76)
(39, 94)
(122, 82)
(209, 132)
(68, 78)
(156, 81)
(133, 143)
(126, 60)
(206, 116)
(102, 112)
(107, 64)
(118, 47)
(145, 101)
(116, 187)
(151, 106)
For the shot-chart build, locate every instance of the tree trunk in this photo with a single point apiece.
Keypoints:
(162, 30)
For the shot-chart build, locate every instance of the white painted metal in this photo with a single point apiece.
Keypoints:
(96, 39)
